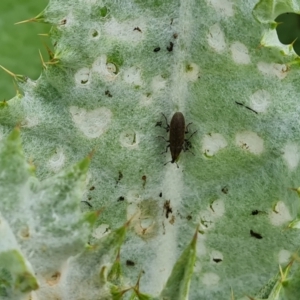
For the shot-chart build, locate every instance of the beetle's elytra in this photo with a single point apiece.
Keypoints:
(177, 131)
(177, 141)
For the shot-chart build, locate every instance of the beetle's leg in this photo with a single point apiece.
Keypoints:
(168, 126)
(166, 149)
(191, 135)
(167, 162)
(187, 128)
(187, 146)
(159, 136)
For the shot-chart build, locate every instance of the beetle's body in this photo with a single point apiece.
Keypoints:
(176, 138)
(177, 141)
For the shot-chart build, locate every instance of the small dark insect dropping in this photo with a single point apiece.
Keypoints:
(224, 189)
(89, 204)
(130, 263)
(170, 47)
(255, 234)
(189, 217)
(177, 142)
(160, 194)
(92, 188)
(144, 178)
(107, 93)
(167, 208)
(138, 29)
(256, 212)
(156, 49)
(120, 177)
(121, 198)
(175, 35)
(63, 22)
(241, 104)
(217, 260)
(84, 81)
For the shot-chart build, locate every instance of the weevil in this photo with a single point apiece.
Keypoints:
(177, 141)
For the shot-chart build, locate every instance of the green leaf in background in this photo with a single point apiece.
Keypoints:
(20, 44)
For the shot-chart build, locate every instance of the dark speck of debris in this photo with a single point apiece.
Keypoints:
(254, 212)
(138, 29)
(107, 93)
(121, 198)
(167, 208)
(255, 234)
(189, 217)
(170, 47)
(217, 260)
(225, 190)
(241, 104)
(160, 194)
(175, 35)
(120, 177)
(92, 188)
(130, 263)
(144, 178)
(156, 49)
(89, 204)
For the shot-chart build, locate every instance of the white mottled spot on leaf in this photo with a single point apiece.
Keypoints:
(129, 139)
(218, 208)
(107, 71)
(207, 220)
(280, 71)
(57, 160)
(133, 211)
(101, 231)
(223, 7)
(133, 76)
(146, 100)
(216, 38)
(280, 214)
(210, 279)
(30, 122)
(82, 76)
(133, 196)
(111, 68)
(212, 143)
(284, 256)
(95, 33)
(260, 101)
(192, 72)
(250, 141)
(239, 53)
(91, 123)
(201, 248)
(291, 155)
(125, 31)
(158, 83)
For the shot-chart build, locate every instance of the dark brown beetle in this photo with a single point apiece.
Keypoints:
(176, 138)
(177, 142)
